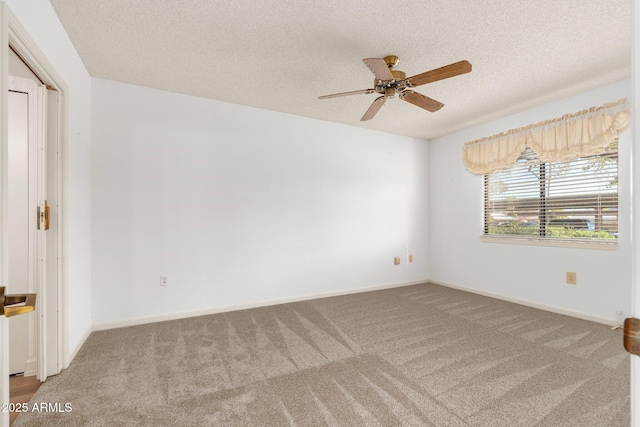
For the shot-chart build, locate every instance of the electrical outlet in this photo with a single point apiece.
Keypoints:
(163, 281)
(410, 258)
(572, 278)
(396, 260)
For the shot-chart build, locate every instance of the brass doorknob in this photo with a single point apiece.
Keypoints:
(12, 305)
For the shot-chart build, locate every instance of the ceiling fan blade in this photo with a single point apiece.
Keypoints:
(379, 68)
(373, 109)
(421, 101)
(353, 92)
(441, 73)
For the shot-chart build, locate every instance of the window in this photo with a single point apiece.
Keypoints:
(571, 201)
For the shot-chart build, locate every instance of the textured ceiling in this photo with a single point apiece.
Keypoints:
(281, 55)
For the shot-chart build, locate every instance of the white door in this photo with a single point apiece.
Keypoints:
(23, 238)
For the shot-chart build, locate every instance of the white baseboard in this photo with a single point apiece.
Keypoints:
(101, 326)
(584, 316)
(77, 348)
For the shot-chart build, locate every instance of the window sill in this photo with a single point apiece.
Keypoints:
(605, 246)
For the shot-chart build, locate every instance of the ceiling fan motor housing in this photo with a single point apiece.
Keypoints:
(397, 83)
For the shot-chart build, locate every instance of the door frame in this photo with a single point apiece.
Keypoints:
(13, 35)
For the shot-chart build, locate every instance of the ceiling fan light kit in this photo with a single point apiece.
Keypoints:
(389, 83)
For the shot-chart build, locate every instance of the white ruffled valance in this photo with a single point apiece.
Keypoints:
(585, 133)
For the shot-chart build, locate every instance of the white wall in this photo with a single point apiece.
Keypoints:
(42, 24)
(237, 205)
(531, 273)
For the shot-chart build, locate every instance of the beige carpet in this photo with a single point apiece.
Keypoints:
(420, 355)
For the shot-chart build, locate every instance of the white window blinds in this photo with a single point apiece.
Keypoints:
(572, 200)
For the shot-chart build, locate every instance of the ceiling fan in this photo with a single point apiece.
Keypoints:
(390, 82)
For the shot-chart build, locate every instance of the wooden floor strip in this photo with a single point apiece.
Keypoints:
(21, 390)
